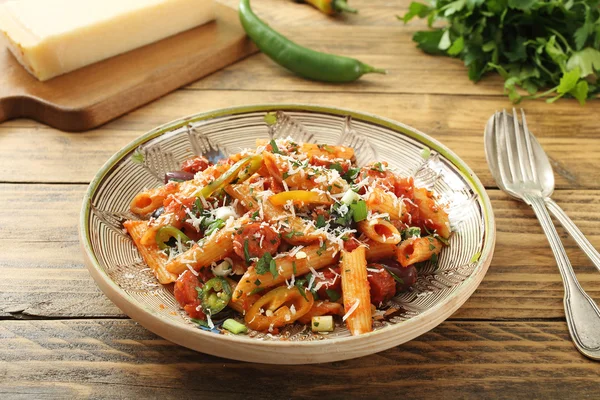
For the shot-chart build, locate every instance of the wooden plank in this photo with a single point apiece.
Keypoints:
(391, 48)
(457, 121)
(43, 272)
(93, 95)
(374, 36)
(118, 358)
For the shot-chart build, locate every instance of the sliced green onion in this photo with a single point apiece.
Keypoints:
(425, 153)
(359, 210)
(350, 197)
(323, 323)
(217, 224)
(234, 327)
(270, 118)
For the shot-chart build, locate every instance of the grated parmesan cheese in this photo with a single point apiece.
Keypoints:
(351, 310)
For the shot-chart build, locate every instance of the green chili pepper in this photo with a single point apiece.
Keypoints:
(330, 7)
(241, 170)
(300, 60)
(165, 233)
(215, 295)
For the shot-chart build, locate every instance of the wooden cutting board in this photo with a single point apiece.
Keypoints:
(89, 97)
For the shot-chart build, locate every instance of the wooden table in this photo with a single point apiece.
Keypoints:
(60, 337)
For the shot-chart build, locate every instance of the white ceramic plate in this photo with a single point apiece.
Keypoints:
(441, 289)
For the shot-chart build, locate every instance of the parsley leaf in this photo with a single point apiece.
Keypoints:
(542, 49)
(265, 264)
(246, 252)
(320, 223)
(332, 294)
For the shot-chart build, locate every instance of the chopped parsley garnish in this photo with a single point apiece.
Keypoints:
(396, 277)
(256, 290)
(266, 264)
(441, 239)
(326, 147)
(197, 209)
(410, 232)
(257, 282)
(200, 322)
(255, 214)
(294, 267)
(338, 167)
(320, 223)
(273, 269)
(274, 147)
(293, 233)
(247, 252)
(377, 167)
(351, 175)
(300, 286)
(332, 294)
(322, 248)
(285, 175)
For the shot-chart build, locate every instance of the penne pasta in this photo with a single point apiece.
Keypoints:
(415, 250)
(322, 308)
(355, 286)
(284, 234)
(204, 253)
(149, 201)
(380, 230)
(241, 306)
(434, 217)
(314, 256)
(312, 149)
(293, 229)
(378, 251)
(154, 258)
(380, 201)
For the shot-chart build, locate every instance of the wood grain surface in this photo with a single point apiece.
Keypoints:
(60, 337)
(466, 360)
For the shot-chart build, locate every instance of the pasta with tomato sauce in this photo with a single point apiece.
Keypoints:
(287, 233)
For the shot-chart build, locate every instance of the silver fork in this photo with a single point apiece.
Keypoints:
(521, 179)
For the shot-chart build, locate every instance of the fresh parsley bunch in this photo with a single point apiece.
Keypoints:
(549, 48)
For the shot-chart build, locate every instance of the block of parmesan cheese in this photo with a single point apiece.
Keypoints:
(53, 37)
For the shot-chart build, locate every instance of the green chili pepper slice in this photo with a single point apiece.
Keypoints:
(305, 62)
(241, 171)
(215, 295)
(165, 233)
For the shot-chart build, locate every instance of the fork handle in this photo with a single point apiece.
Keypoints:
(583, 315)
(574, 231)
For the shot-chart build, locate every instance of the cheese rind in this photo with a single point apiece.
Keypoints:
(53, 37)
